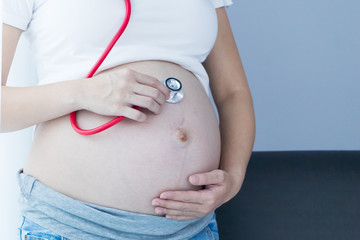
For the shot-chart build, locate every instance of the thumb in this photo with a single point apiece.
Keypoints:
(213, 177)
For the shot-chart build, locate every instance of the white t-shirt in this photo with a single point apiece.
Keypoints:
(67, 37)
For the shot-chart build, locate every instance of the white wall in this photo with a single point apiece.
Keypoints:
(14, 148)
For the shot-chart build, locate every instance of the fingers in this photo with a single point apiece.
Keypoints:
(174, 214)
(114, 94)
(184, 196)
(214, 177)
(154, 93)
(134, 114)
(144, 102)
(149, 92)
(178, 205)
(184, 205)
(152, 82)
(178, 210)
(197, 200)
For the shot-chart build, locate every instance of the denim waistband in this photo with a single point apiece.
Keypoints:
(79, 220)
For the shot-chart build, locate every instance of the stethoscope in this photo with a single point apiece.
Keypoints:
(173, 84)
(176, 90)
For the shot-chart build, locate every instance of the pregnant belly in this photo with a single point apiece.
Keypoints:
(128, 165)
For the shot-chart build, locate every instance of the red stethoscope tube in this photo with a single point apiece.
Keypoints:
(92, 72)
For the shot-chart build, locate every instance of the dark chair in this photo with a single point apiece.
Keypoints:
(296, 195)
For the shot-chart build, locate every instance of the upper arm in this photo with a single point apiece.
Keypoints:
(223, 64)
(10, 39)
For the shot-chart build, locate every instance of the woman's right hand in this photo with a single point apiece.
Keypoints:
(114, 93)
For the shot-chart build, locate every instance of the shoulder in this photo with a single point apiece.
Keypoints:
(18, 13)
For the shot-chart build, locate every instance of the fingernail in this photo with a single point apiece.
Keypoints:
(163, 196)
(158, 211)
(155, 203)
(193, 179)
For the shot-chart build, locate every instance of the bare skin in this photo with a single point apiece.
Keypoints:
(178, 199)
(121, 166)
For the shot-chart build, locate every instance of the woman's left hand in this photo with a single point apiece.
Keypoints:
(220, 187)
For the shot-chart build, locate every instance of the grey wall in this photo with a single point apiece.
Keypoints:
(302, 59)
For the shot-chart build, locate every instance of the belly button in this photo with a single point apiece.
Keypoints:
(181, 134)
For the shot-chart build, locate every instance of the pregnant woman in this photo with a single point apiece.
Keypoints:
(162, 171)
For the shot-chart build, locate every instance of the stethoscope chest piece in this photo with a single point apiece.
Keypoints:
(176, 91)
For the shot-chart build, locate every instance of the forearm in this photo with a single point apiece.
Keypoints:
(237, 127)
(23, 107)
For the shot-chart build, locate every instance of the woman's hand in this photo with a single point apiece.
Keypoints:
(220, 187)
(113, 93)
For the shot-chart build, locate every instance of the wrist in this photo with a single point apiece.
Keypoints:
(67, 92)
(236, 180)
(80, 92)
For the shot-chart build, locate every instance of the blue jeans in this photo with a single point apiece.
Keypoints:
(31, 231)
